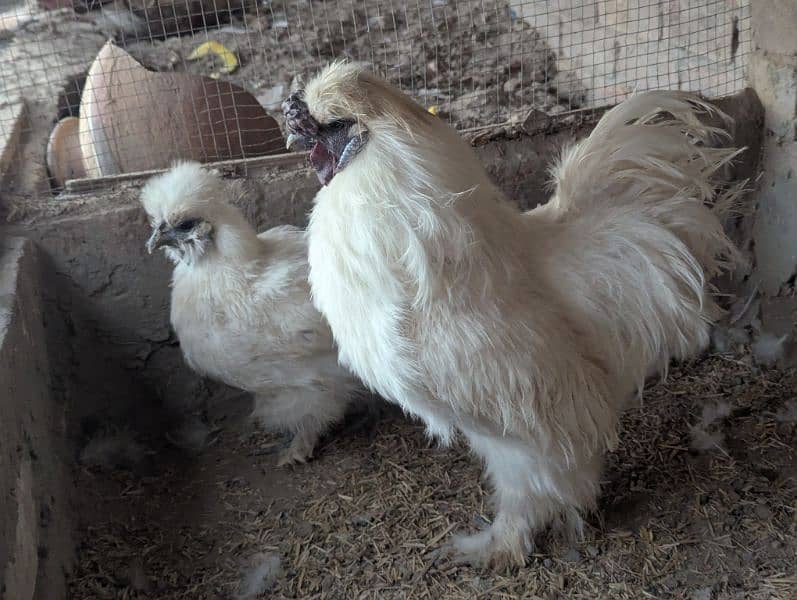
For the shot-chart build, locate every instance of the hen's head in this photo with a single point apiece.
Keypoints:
(188, 214)
(340, 110)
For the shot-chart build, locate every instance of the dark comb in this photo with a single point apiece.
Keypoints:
(297, 116)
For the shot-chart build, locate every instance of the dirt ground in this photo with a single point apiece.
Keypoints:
(699, 502)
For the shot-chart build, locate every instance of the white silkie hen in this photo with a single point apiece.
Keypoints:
(241, 307)
(526, 332)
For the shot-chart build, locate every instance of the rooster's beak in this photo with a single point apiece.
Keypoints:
(296, 143)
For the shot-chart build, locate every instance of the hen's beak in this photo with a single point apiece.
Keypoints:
(154, 240)
(160, 238)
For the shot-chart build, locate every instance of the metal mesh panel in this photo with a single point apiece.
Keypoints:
(157, 93)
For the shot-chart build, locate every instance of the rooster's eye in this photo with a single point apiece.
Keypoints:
(186, 225)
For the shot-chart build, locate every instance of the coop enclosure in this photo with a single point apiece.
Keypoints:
(98, 94)
(203, 79)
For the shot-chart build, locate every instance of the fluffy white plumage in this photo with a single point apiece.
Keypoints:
(241, 307)
(528, 333)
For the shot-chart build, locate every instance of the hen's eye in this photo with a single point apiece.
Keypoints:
(186, 225)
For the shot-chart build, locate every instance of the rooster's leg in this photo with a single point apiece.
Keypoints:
(531, 489)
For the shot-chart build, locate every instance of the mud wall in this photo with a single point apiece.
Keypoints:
(35, 541)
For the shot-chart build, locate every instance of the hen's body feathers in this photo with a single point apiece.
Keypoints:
(243, 315)
(527, 332)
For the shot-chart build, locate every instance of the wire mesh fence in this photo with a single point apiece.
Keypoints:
(204, 79)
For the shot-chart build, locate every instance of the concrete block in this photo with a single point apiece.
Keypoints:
(780, 315)
(774, 78)
(20, 574)
(773, 23)
(776, 219)
(35, 551)
(773, 74)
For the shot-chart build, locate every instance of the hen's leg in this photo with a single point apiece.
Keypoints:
(306, 413)
(530, 490)
(301, 447)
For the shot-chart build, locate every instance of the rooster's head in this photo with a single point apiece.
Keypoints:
(340, 110)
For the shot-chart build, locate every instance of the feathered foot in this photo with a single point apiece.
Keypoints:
(306, 412)
(489, 548)
(300, 449)
(530, 493)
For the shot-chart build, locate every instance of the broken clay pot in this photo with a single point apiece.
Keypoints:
(133, 119)
(64, 158)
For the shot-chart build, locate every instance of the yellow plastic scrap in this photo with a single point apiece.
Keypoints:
(433, 110)
(229, 62)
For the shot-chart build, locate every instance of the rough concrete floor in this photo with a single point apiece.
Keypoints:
(699, 502)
